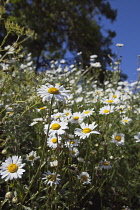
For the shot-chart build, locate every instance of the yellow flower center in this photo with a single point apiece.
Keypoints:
(42, 108)
(67, 113)
(86, 112)
(56, 126)
(118, 138)
(72, 142)
(11, 112)
(54, 140)
(106, 111)
(110, 101)
(72, 152)
(58, 116)
(52, 177)
(53, 90)
(125, 121)
(105, 163)
(31, 157)
(76, 118)
(12, 168)
(84, 178)
(114, 96)
(86, 130)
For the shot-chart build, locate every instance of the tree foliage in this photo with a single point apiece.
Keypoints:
(63, 25)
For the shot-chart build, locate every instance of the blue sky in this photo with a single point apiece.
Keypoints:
(127, 28)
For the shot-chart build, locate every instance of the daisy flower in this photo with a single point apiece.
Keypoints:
(72, 142)
(67, 113)
(48, 91)
(121, 108)
(74, 151)
(106, 109)
(88, 112)
(32, 156)
(56, 127)
(126, 120)
(53, 141)
(84, 177)
(77, 117)
(118, 138)
(110, 100)
(12, 168)
(105, 164)
(137, 137)
(86, 130)
(58, 116)
(51, 178)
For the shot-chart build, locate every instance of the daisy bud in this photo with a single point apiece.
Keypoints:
(8, 195)
(4, 152)
(14, 200)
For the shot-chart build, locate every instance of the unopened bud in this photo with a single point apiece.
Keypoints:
(4, 152)
(15, 200)
(8, 195)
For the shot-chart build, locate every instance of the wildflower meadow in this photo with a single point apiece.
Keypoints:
(67, 140)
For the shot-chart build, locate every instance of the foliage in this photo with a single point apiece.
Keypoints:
(64, 25)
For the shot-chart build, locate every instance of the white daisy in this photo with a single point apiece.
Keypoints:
(137, 137)
(96, 64)
(86, 130)
(126, 120)
(53, 141)
(51, 178)
(118, 138)
(56, 127)
(88, 112)
(12, 168)
(48, 91)
(74, 152)
(57, 116)
(106, 109)
(84, 177)
(67, 113)
(32, 156)
(77, 117)
(72, 143)
(110, 100)
(105, 164)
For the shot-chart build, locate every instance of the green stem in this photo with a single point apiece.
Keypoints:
(43, 153)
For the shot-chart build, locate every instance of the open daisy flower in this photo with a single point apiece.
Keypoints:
(88, 112)
(31, 157)
(105, 164)
(118, 138)
(56, 127)
(51, 178)
(126, 120)
(53, 141)
(12, 168)
(48, 91)
(77, 117)
(86, 130)
(74, 152)
(84, 177)
(106, 109)
(137, 137)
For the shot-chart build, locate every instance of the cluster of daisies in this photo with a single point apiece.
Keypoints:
(109, 101)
